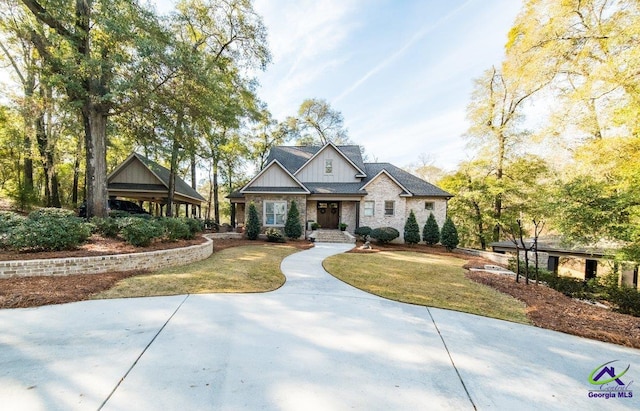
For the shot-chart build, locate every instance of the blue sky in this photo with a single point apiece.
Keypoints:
(401, 72)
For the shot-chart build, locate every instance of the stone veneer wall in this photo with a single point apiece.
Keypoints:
(151, 260)
(258, 200)
(384, 189)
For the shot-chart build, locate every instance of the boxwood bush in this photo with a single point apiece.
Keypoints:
(274, 235)
(175, 229)
(107, 227)
(140, 232)
(385, 234)
(363, 232)
(195, 226)
(8, 221)
(49, 229)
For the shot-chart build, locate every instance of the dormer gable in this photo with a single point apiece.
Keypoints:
(274, 178)
(330, 164)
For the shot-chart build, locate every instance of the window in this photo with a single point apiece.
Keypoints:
(369, 207)
(429, 205)
(389, 207)
(275, 212)
(328, 166)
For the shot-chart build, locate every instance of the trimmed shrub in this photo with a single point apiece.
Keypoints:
(431, 231)
(411, 230)
(293, 228)
(176, 229)
(8, 220)
(118, 214)
(51, 212)
(625, 299)
(364, 232)
(449, 235)
(253, 223)
(274, 235)
(385, 234)
(140, 232)
(107, 227)
(49, 233)
(195, 226)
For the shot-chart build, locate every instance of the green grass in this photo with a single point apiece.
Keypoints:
(424, 279)
(237, 269)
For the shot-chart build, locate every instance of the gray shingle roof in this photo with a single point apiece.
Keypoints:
(275, 189)
(336, 188)
(294, 157)
(416, 186)
(163, 174)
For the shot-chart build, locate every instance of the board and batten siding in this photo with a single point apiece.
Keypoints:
(136, 172)
(275, 176)
(343, 171)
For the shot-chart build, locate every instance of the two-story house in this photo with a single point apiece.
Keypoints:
(332, 185)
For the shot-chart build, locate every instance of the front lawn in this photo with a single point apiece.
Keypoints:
(253, 268)
(424, 279)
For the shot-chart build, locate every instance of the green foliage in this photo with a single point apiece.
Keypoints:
(363, 232)
(106, 226)
(195, 226)
(253, 223)
(343, 226)
(140, 232)
(385, 234)
(48, 213)
(625, 299)
(315, 226)
(411, 230)
(49, 231)
(449, 235)
(176, 229)
(293, 228)
(431, 231)
(274, 235)
(9, 220)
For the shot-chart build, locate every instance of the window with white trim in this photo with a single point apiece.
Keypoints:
(275, 213)
(389, 207)
(429, 205)
(328, 166)
(369, 208)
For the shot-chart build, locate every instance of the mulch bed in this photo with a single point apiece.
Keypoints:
(45, 290)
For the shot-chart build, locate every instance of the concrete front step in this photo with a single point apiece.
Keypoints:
(332, 236)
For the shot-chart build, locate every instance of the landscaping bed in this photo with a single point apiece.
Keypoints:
(45, 290)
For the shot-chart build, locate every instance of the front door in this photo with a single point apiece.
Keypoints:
(328, 214)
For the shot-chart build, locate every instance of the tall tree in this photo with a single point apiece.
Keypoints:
(317, 123)
(89, 46)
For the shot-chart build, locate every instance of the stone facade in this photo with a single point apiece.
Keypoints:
(258, 200)
(384, 189)
(151, 260)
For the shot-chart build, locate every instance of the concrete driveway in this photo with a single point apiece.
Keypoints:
(314, 344)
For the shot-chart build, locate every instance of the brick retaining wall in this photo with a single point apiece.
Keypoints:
(151, 260)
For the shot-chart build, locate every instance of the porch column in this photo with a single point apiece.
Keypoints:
(357, 215)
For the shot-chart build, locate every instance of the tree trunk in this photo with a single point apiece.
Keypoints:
(480, 226)
(216, 202)
(95, 126)
(177, 137)
(232, 211)
(76, 174)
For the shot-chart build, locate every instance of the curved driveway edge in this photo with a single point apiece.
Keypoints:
(316, 343)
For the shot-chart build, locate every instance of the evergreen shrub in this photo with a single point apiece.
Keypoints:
(385, 234)
(274, 235)
(107, 227)
(431, 231)
(411, 230)
(140, 232)
(363, 232)
(253, 223)
(449, 235)
(293, 228)
(49, 230)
